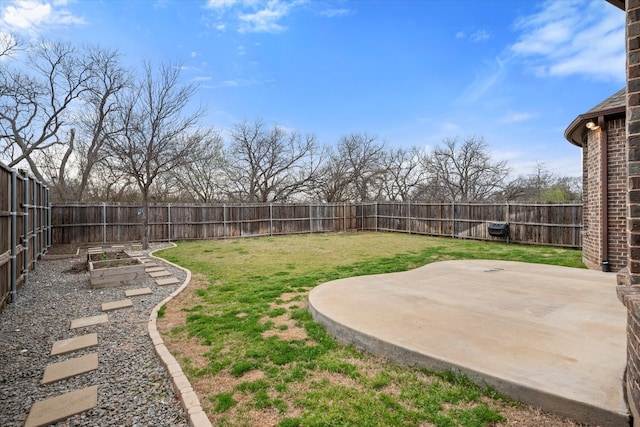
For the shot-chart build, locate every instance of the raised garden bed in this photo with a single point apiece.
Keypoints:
(110, 269)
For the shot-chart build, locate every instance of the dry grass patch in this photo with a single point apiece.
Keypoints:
(180, 344)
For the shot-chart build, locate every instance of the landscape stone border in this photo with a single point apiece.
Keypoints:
(188, 397)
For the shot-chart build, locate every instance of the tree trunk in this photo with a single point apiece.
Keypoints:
(145, 221)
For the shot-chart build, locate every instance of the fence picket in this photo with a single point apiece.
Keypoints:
(24, 229)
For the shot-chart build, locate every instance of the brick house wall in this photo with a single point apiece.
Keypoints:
(591, 232)
(617, 191)
(592, 235)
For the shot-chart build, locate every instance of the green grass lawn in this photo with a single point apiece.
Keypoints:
(244, 337)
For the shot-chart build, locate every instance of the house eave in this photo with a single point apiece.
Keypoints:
(617, 3)
(577, 130)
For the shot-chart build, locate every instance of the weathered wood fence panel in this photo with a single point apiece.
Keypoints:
(545, 224)
(25, 232)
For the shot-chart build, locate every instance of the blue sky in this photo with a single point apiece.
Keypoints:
(411, 72)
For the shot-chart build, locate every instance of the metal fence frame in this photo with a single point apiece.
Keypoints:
(25, 229)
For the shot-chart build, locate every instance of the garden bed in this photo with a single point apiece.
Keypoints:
(109, 269)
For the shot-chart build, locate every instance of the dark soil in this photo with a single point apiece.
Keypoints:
(62, 250)
(108, 256)
(77, 268)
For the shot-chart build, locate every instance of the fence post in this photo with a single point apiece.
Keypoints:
(375, 216)
(310, 218)
(48, 205)
(25, 228)
(453, 219)
(270, 219)
(409, 214)
(14, 232)
(104, 222)
(344, 215)
(507, 220)
(169, 221)
(224, 221)
(34, 223)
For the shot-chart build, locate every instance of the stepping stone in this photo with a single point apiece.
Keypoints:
(148, 263)
(152, 269)
(137, 292)
(70, 368)
(115, 305)
(74, 344)
(168, 281)
(162, 273)
(58, 408)
(118, 247)
(89, 321)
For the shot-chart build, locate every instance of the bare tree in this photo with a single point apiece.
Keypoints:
(465, 172)
(34, 106)
(203, 179)
(9, 44)
(158, 134)
(403, 173)
(95, 124)
(543, 186)
(334, 179)
(270, 165)
(354, 171)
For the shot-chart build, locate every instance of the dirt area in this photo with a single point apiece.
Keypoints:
(62, 250)
(109, 256)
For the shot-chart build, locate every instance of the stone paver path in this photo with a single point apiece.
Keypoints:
(162, 273)
(167, 281)
(58, 408)
(70, 368)
(137, 292)
(74, 344)
(116, 305)
(89, 321)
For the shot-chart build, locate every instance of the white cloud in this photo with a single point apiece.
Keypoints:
(573, 38)
(493, 73)
(221, 4)
(265, 20)
(516, 118)
(480, 36)
(334, 13)
(253, 16)
(34, 16)
(476, 36)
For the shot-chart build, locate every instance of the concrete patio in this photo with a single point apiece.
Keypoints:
(553, 337)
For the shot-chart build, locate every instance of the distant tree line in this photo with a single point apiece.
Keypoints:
(94, 130)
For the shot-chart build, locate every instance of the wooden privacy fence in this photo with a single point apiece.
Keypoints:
(534, 223)
(545, 224)
(25, 231)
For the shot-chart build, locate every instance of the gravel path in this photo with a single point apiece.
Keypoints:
(134, 388)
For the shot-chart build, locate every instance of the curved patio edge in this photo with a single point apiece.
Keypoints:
(551, 402)
(188, 397)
